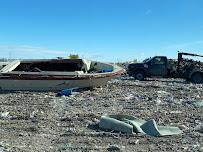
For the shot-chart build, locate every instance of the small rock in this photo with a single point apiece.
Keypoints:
(158, 101)
(199, 129)
(113, 148)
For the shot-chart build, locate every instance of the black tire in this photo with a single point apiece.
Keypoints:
(139, 75)
(197, 77)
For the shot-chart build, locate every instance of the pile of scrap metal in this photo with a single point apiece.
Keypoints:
(189, 65)
(183, 66)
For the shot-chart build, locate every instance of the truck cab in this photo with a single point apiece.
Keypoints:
(152, 67)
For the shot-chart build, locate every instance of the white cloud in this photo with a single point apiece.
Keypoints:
(91, 55)
(26, 51)
(34, 52)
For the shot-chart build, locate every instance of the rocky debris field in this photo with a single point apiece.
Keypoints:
(39, 121)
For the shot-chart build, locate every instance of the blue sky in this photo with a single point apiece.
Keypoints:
(106, 30)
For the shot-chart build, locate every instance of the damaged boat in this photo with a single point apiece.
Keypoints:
(56, 74)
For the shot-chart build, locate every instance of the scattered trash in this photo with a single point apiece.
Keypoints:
(175, 112)
(128, 124)
(198, 104)
(113, 148)
(4, 115)
(129, 97)
(163, 92)
(183, 127)
(158, 101)
(66, 120)
(65, 92)
(2, 150)
(71, 91)
(134, 142)
(67, 146)
(199, 129)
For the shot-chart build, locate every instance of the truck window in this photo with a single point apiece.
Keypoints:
(158, 60)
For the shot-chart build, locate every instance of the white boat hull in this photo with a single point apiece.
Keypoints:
(51, 85)
(54, 75)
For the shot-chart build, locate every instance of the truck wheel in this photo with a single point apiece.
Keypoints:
(197, 77)
(139, 75)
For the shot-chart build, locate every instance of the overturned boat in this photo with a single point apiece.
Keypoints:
(56, 74)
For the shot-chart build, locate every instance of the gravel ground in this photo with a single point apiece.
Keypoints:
(38, 121)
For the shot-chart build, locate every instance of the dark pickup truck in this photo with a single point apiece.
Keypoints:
(160, 66)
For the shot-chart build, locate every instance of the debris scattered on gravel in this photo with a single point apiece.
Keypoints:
(39, 121)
